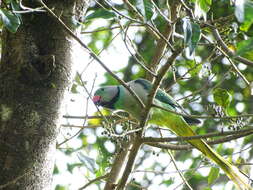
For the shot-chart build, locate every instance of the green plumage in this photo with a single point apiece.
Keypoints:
(119, 98)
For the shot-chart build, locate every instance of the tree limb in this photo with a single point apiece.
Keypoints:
(228, 51)
(189, 147)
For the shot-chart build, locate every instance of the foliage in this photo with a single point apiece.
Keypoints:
(202, 79)
(9, 19)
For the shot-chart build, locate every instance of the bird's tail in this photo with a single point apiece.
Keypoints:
(239, 179)
(179, 126)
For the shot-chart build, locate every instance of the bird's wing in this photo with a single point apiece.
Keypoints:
(166, 99)
(160, 95)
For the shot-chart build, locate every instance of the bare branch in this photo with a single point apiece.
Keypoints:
(124, 157)
(228, 51)
(93, 55)
(175, 165)
(130, 163)
(189, 147)
(128, 40)
(93, 181)
(82, 127)
(247, 131)
(161, 44)
(203, 117)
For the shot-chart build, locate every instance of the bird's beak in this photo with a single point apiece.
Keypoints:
(96, 99)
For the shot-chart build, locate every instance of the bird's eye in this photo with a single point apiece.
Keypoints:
(102, 89)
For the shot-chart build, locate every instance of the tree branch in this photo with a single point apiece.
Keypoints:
(120, 165)
(193, 116)
(93, 55)
(228, 51)
(93, 181)
(169, 28)
(203, 117)
(205, 136)
(189, 147)
(130, 163)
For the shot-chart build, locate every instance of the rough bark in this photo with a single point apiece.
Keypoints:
(34, 72)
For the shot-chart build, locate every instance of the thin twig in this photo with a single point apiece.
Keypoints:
(228, 51)
(189, 147)
(237, 70)
(188, 9)
(161, 13)
(133, 9)
(28, 9)
(93, 181)
(248, 130)
(130, 162)
(156, 85)
(154, 31)
(203, 117)
(81, 126)
(163, 172)
(127, 39)
(176, 167)
(179, 172)
(118, 167)
(109, 28)
(88, 64)
(161, 44)
(82, 117)
(204, 87)
(126, 133)
(86, 111)
(93, 55)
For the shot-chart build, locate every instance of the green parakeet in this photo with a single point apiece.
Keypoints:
(119, 98)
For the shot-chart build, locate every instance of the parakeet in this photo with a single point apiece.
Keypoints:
(119, 98)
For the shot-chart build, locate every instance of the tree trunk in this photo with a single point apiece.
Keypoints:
(34, 72)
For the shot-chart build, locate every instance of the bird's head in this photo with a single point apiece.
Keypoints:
(106, 96)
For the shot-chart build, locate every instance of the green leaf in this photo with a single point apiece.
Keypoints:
(244, 13)
(52, 85)
(168, 181)
(101, 13)
(202, 7)
(195, 37)
(70, 167)
(15, 6)
(239, 10)
(192, 34)
(56, 170)
(10, 20)
(145, 7)
(222, 97)
(213, 175)
(187, 28)
(207, 188)
(149, 9)
(60, 187)
(98, 121)
(78, 80)
(73, 89)
(88, 162)
(205, 4)
(248, 55)
(194, 67)
(244, 46)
